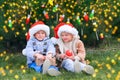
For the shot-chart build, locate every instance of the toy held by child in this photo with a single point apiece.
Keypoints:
(40, 51)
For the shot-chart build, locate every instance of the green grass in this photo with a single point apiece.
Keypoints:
(106, 63)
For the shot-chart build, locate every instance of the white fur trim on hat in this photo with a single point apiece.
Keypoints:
(36, 28)
(69, 29)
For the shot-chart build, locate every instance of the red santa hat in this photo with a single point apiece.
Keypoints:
(37, 26)
(65, 27)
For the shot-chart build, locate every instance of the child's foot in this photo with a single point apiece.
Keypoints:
(53, 72)
(46, 65)
(38, 62)
(35, 67)
(76, 66)
(88, 69)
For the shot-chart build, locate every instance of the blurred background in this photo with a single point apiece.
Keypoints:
(98, 21)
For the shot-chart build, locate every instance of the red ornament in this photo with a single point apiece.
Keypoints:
(69, 53)
(61, 18)
(86, 17)
(28, 19)
(101, 36)
(46, 15)
(27, 36)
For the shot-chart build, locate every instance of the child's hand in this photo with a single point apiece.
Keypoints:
(70, 57)
(39, 56)
(36, 54)
(62, 56)
(49, 56)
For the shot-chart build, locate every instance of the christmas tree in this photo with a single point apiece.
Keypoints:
(96, 20)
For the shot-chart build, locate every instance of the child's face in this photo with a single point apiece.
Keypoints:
(40, 35)
(66, 37)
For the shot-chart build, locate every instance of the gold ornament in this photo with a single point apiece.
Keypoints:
(115, 15)
(4, 15)
(86, 24)
(52, 27)
(68, 10)
(52, 16)
(115, 7)
(70, 17)
(24, 28)
(73, 13)
(110, 26)
(5, 21)
(12, 28)
(84, 36)
(71, 6)
(106, 22)
(118, 39)
(94, 29)
(116, 27)
(118, 10)
(67, 5)
(1, 37)
(110, 18)
(5, 29)
(106, 15)
(17, 33)
(22, 25)
(106, 30)
(78, 13)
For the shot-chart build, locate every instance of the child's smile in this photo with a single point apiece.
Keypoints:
(66, 37)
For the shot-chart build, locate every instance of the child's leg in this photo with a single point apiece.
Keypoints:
(46, 65)
(86, 68)
(38, 61)
(50, 67)
(68, 64)
(77, 66)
